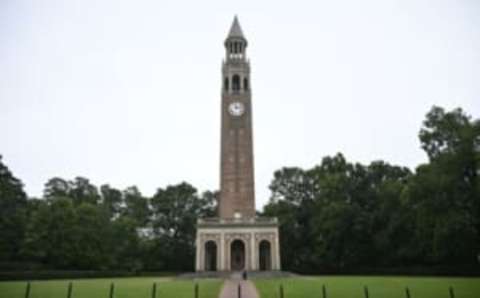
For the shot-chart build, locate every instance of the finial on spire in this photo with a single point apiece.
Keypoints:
(235, 29)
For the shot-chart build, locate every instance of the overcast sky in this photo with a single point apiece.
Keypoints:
(128, 92)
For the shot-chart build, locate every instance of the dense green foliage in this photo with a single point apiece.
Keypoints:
(334, 216)
(124, 288)
(13, 202)
(340, 215)
(384, 287)
(77, 226)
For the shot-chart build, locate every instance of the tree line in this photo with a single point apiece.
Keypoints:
(335, 215)
(78, 226)
(339, 215)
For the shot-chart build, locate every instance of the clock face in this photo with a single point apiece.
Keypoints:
(236, 108)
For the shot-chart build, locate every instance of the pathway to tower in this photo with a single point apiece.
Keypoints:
(230, 288)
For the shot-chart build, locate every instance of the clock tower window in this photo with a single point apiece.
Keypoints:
(245, 84)
(225, 84)
(236, 83)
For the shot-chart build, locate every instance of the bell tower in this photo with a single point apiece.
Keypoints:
(237, 191)
(237, 239)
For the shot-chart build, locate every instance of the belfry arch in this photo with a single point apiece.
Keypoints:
(226, 84)
(245, 84)
(236, 82)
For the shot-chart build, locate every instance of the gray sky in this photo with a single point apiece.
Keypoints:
(128, 92)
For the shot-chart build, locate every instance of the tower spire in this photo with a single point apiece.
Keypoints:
(236, 43)
(235, 29)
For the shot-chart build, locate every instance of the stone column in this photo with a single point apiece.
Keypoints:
(248, 253)
(277, 252)
(254, 257)
(221, 252)
(227, 254)
(198, 261)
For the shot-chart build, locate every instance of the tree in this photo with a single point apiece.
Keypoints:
(125, 245)
(445, 192)
(329, 213)
(13, 202)
(112, 199)
(80, 190)
(291, 201)
(51, 234)
(450, 133)
(91, 232)
(56, 187)
(66, 236)
(175, 212)
(136, 206)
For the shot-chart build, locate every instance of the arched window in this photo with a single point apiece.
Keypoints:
(237, 255)
(245, 84)
(225, 84)
(236, 83)
(210, 256)
(265, 256)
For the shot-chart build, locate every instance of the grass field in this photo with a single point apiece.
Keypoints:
(378, 287)
(124, 288)
(301, 287)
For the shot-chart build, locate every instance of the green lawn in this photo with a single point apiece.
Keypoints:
(379, 287)
(301, 287)
(124, 288)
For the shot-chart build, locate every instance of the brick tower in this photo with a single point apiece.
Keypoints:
(237, 194)
(237, 239)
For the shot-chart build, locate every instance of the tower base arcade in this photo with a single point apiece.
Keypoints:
(250, 244)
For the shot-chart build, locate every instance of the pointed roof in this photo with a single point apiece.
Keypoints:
(235, 29)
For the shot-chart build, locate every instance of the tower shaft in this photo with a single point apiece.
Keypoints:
(237, 189)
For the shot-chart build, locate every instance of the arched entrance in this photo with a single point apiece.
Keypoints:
(265, 253)
(237, 255)
(210, 256)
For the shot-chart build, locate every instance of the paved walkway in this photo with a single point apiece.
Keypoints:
(230, 288)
